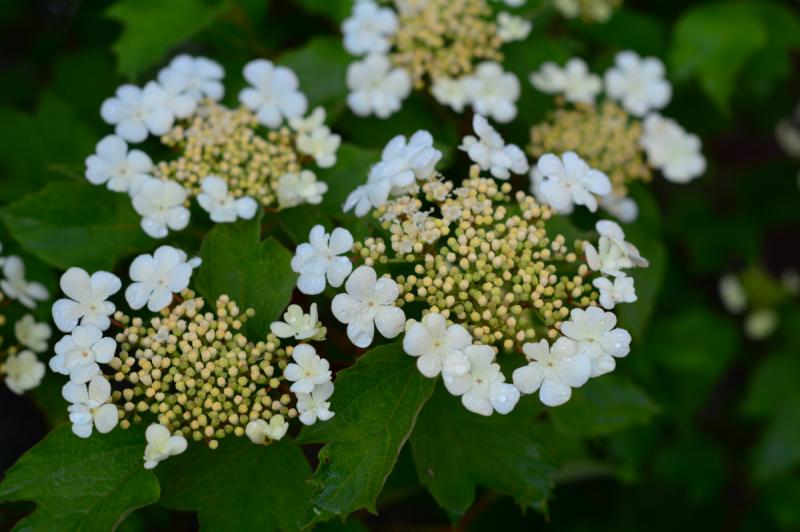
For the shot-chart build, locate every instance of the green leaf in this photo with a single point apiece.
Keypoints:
(76, 224)
(774, 380)
(336, 10)
(81, 484)
(604, 405)
(712, 42)
(376, 403)
(777, 453)
(240, 485)
(254, 273)
(152, 27)
(456, 450)
(322, 58)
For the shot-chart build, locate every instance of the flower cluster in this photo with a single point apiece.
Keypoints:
(624, 136)
(231, 160)
(587, 10)
(20, 368)
(188, 369)
(451, 46)
(485, 271)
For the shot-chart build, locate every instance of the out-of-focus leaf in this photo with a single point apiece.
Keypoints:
(240, 485)
(336, 10)
(321, 66)
(81, 484)
(777, 453)
(456, 450)
(782, 500)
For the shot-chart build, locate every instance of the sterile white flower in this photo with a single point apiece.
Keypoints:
(23, 371)
(553, 370)
(512, 28)
(375, 87)
(638, 83)
(671, 149)
(32, 334)
(317, 141)
(259, 431)
(437, 347)
(732, 294)
(369, 303)
(296, 189)
(273, 94)
(307, 124)
(617, 290)
(613, 253)
(760, 323)
(160, 204)
(137, 112)
(623, 208)
(369, 28)
(315, 405)
(493, 92)
(451, 92)
(298, 324)
(202, 76)
(491, 153)
(15, 286)
(87, 299)
(90, 407)
(80, 353)
(307, 370)
(120, 169)
(221, 206)
(319, 259)
(568, 181)
(156, 277)
(594, 331)
(161, 445)
(483, 389)
(574, 81)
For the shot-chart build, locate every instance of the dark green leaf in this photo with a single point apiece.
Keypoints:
(337, 10)
(322, 58)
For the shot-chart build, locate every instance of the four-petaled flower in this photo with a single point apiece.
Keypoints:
(437, 347)
(298, 324)
(160, 204)
(23, 371)
(594, 331)
(490, 151)
(553, 370)
(120, 169)
(273, 94)
(78, 354)
(565, 182)
(307, 370)
(87, 301)
(156, 277)
(483, 389)
(90, 407)
(221, 206)
(32, 334)
(17, 287)
(259, 430)
(315, 405)
(161, 445)
(318, 259)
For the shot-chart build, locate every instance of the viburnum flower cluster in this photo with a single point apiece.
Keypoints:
(453, 47)
(480, 267)
(261, 153)
(20, 367)
(188, 368)
(623, 135)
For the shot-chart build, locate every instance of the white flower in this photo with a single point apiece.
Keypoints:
(87, 299)
(307, 370)
(514, 3)
(491, 153)
(274, 93)
(299, 325)
(574, 81)
(568, 181)
(259, 431)
(202, 76)
(617, 290)
(121, 170)
(79, 353)
(437, 347)
(369, 303)
(623, 208)
(375, 87)
(593, 330)
(316, 139)
(613, 253)
(296, 189)
(402, 164)
(137, 112)
(553, 370)
(17, 287)
(160, 204)
(483, 389)
(671, 149)
(512, 28)
(23, 371)
(369, 28)
(760, 324)
(315, 405)
(31, 334)
(451, 92)
(314, 120)
(161, 445)
(90, 407)
(223, 207)
(176, 88)
(319, 259)
(638, 84)
(156, 277)
(732, 294)
(493, 92)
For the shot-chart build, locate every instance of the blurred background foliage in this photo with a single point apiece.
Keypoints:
(699, 428)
